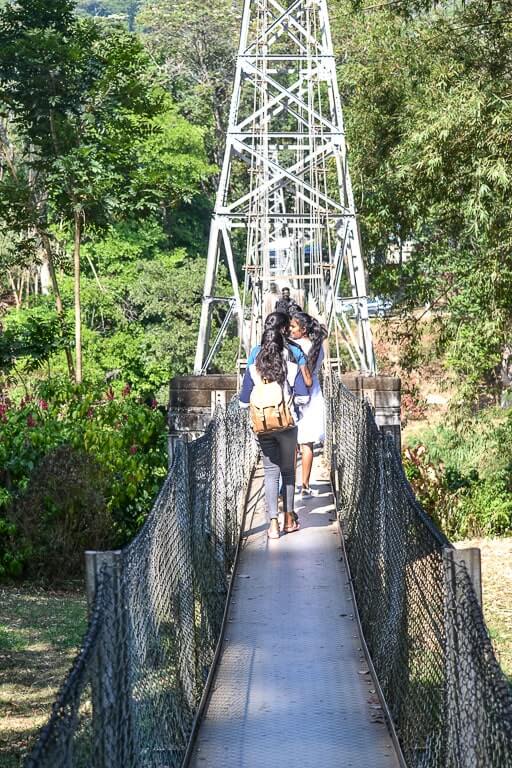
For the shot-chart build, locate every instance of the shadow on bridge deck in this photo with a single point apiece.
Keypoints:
(292, 686)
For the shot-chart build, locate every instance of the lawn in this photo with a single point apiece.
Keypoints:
(40, 632)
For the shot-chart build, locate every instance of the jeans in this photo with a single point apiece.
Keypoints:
(278, 449)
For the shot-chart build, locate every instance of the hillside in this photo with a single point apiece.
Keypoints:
(105, 8)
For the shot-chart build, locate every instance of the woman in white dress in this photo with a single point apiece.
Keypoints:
(310, 336)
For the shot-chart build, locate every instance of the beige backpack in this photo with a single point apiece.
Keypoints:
(269, 407)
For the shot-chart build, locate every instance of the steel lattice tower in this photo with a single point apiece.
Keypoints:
(284, 203)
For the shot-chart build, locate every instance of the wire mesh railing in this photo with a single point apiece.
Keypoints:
(132, 694)
(449, 700)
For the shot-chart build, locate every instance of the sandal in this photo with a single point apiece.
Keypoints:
(273, 531)
(292, 528)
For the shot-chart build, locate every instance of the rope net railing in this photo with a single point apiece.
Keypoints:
(448, 698)
(132, 694)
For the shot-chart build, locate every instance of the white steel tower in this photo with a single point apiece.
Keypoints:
(284, 205)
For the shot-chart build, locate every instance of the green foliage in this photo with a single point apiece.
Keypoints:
(172, 164)
(90, 138)
(12, 554)
(92, 146)
(119, 10)
(141, 321)
(31, 336)
(63, 512)
(196, 46)
(463, 478)
(428, 118)
(77, 465)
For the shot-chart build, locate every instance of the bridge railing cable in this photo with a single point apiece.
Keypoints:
(133, 691)
(449, 700)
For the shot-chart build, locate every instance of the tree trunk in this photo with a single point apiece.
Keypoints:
(14, 291)
(44, 275)
(27, 287)
(58, 300)
(78, 319)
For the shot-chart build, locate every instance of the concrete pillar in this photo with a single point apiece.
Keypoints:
(111, 693)
(384, 395)
(472, 559)
(192, 403)
(464, 707)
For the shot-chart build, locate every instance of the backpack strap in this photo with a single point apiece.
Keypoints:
(254, 374)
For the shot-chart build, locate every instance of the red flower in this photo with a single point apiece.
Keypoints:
(90, 413)
(43, 405)
(110, 393)
(126, 390)
(154, 404)
(133, 449)
(3, 410)
(31, 422)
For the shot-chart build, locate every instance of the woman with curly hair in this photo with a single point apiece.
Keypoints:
(279, 321)
(273, 364)
(310, 336)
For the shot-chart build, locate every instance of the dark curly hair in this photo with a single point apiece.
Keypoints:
(316, 334)
(280, 321)
(277, 321)
(270, 362)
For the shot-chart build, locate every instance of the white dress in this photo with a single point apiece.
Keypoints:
(311, 424)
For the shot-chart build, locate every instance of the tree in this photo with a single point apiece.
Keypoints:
(24, 213)
(196, 44)
(94, 149)
(428, 119)
(81, 98)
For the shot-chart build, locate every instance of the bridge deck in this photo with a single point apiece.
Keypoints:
(291, 685)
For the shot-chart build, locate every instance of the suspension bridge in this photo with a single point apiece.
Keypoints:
(358, 640)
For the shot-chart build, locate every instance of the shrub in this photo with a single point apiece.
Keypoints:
(463, 478)
(486, 510)
(437, 490)
(109, 444)
(63, 512)
(12, 553)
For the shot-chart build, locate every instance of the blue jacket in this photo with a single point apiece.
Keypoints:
(293, 347)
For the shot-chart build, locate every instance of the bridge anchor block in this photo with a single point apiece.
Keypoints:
(384, 395)
(192, 403)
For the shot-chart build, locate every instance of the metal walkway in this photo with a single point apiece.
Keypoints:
(292, 686)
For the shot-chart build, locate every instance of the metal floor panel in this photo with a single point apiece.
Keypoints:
(292, 686)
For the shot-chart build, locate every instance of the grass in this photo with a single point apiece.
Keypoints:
(40, 632)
